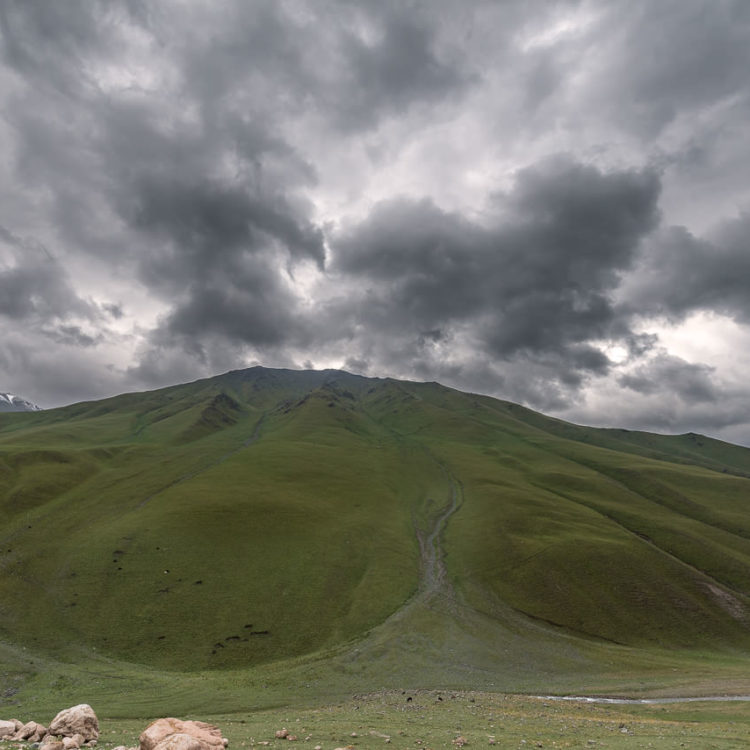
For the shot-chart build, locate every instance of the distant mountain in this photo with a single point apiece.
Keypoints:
(264, 515)
(9, 402)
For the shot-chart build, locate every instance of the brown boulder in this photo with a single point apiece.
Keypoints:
(180, 741)
(31, 732)
(79, 719)
(8, 728)
(51, 743)
(208, 735)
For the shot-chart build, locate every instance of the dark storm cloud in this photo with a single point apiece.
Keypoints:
(681, 273)
(34, 286)
(690, 382)
(537, 284)
(671, 58)
(250, 307)
(210, 222)
(72, 335)
(398, 68)
(48, 42)
(352, 63)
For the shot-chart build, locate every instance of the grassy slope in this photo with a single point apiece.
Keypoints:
(175, 528)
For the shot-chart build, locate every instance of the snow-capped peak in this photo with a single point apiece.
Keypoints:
(10, 402)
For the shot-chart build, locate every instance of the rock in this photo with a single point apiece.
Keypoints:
(207, 734)
(79, 719)
(281, 734)
(51, 743)
(7, 728)
(31, 732)
(180, 741)
(73, 743)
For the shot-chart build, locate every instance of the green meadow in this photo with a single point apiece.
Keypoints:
(261, 546)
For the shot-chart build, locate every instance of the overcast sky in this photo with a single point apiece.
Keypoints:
(547, 202)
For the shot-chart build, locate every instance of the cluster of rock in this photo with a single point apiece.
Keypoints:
(71, 729)
(78, 727)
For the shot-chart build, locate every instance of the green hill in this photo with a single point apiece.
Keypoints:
(396, 531)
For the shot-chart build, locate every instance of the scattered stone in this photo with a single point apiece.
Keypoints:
(207, 734)
(51, 743)
(282, 734)
(77, 720)
(318, 747)
(292, 737)
(31, 732)
(7, 728)
(72, 743)
(460, 741)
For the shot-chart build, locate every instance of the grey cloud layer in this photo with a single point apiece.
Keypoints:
(536, 285)
(178, 150)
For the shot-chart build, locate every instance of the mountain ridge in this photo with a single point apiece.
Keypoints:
(290, 513)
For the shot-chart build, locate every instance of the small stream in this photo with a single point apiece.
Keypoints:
(643, 701)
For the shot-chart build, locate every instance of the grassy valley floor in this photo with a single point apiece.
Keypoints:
(417, 720)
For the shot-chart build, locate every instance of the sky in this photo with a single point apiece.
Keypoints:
(547, 202)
